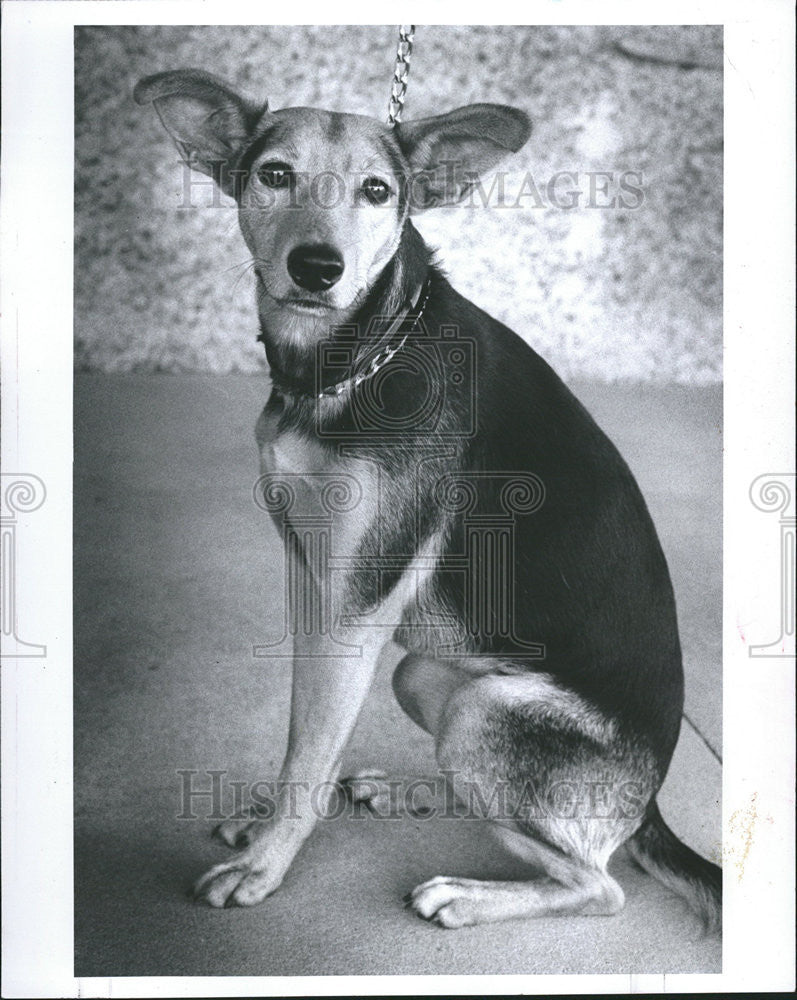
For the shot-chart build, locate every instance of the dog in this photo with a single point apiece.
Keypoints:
(482, 520)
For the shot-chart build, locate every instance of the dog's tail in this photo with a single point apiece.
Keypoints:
(656, 849)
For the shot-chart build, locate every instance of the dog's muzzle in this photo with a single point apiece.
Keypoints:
(315, 268)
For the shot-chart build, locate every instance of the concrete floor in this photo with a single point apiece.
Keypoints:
(175, 576)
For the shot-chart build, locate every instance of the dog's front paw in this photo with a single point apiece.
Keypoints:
(381, 796)
(368, 787)
(240, 882)
(237, 832)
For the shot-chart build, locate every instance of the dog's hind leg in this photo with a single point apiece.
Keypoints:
(563, 886)
(423, 686)
(562, 787)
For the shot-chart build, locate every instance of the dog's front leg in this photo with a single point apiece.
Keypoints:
(327, 693)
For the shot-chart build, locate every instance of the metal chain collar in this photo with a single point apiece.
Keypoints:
(382, 358)
(398, 87)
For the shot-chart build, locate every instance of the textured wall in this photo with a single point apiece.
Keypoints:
(601, 292)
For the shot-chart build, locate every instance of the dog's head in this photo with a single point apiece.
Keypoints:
(322, 196)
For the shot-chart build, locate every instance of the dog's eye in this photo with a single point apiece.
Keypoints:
(275, 175)
(376, 190)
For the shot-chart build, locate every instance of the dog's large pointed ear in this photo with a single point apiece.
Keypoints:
(449, 153)
(209, 122)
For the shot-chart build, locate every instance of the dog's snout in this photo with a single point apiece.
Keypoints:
(315, 268)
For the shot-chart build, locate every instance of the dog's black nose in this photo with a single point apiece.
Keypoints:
(316, 267)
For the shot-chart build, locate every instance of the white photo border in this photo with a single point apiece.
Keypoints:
(37, 358)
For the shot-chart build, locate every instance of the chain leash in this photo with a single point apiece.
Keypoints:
(398, 88)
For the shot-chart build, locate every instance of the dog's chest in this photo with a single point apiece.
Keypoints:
(286, 453)
(318, 485)
(294, 454)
